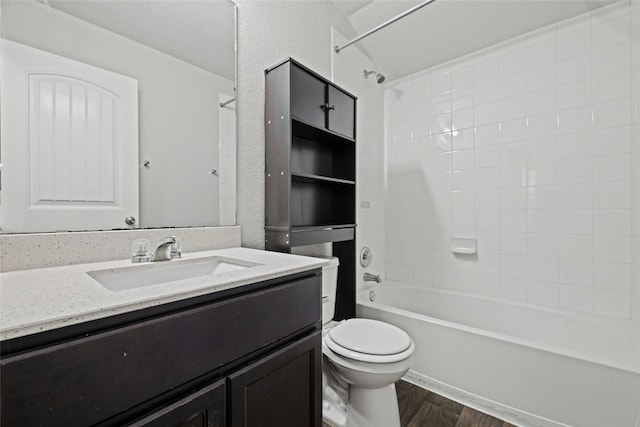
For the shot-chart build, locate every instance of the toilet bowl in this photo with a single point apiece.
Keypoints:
(362, 360)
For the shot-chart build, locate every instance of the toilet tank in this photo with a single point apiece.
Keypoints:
(329, 284)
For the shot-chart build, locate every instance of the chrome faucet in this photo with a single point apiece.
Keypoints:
(166, 249)
(368, 277)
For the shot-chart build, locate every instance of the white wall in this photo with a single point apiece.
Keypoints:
(527, 146)
(179, 99)
(268, 32)
(348, 68)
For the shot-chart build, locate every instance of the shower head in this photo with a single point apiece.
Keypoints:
(379, 77)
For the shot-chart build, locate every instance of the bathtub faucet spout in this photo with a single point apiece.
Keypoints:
(368, 277)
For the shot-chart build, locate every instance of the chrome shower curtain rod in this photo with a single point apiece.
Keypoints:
(384, 24)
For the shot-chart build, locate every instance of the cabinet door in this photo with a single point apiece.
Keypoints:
(281, 389)
(341, 118)
(204, 408)
(307, 97)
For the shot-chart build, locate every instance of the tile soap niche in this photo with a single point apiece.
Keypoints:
(464, 245)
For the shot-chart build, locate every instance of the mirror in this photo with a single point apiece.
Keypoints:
(117, 114)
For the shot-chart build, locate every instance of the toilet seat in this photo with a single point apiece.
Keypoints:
(370, 341)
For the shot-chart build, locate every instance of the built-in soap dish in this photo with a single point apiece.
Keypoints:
(464, 245)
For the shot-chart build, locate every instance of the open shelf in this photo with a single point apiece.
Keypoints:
(311, 131)
(319, 202)
(324, 158)
(310, 178)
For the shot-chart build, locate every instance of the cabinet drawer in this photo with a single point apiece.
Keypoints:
(88, 380)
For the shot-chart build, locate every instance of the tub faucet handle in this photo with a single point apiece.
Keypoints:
(368, 277)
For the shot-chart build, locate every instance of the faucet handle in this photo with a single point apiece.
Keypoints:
(175, 249)
(140, 251)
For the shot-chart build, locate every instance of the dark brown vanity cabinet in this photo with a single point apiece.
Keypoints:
(310, 169)
(188, 363)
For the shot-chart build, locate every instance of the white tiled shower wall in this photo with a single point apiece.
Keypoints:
(526, 145)
(635, 166)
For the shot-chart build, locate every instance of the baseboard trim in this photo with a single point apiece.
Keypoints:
(495, 409)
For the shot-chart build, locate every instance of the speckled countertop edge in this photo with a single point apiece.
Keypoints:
(42, 250)
(38, 300)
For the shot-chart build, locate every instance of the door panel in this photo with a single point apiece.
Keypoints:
(73, 144)
(342, 118)
(307, 97)
(281, 389)
(69, 143)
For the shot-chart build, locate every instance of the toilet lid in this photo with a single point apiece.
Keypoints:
(370, 337)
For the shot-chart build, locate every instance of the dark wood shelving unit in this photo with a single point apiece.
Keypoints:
(310, 169)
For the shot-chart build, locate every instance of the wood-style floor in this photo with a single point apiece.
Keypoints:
(422, 408)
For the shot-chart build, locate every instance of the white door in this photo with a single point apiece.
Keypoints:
(69, 143)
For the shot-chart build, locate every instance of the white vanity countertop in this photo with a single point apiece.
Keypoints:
(42, 299)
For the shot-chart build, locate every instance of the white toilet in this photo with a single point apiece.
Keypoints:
(362, 359)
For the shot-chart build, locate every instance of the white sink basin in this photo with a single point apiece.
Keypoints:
(155, 273)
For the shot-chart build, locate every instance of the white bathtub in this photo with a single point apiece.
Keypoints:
(529, 366)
